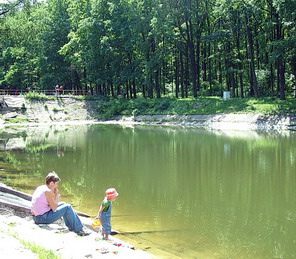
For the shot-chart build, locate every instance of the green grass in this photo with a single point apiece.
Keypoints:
(40, 251)
(17, 120)
(55, 110)
(85, 97)
(37, 96)
(32, 95)
(109, 108)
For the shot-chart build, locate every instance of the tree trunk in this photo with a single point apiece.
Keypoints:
(240, 66)
(294, 73)
(220, 74)
(164, 76)
(112, 89)
(190, 44)
(157, 87)
(182, 75)
(253, 77)
(177, 76)
(210, 68)
(186, 81)
(280, 61)
(150, 87)
(198, 42)
(134, 89)
(143, 90)
(204, 62)
(226, 65)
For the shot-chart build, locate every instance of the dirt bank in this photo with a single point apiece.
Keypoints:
(16, 110)
(224, 121)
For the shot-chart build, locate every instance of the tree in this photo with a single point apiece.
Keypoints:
(54, 69)
(150, 48)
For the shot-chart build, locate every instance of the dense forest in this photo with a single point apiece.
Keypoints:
(150, 48)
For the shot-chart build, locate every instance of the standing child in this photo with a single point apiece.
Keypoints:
(105, 212)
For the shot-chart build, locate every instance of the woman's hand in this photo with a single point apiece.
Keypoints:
(57, 196)
(52, 199)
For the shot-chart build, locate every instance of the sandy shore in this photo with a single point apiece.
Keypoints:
(19, 236)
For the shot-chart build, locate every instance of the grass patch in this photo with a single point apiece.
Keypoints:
(86, 97)
(17, 120)
(56, 110)
(109, 108)
(39, 250)
(37, 96)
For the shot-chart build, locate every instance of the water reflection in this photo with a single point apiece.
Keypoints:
(194, 193)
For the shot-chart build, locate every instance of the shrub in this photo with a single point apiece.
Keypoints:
(36, 96)
(202, 105)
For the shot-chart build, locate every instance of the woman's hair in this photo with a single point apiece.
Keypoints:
(52, 177)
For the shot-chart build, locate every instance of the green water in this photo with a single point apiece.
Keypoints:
(194, 193)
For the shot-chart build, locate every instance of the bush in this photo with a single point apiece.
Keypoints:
(36, 96)
(109, 109)
(163, 105)
(201, 106)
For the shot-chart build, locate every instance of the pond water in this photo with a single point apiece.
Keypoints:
(184, 193)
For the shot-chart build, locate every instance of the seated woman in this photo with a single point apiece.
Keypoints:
(46, 207)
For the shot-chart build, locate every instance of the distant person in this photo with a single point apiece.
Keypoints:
(57, 89)
(105, 212)
(61, 89)
(46, 207)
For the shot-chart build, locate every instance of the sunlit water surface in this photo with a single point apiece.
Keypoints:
(183, 192)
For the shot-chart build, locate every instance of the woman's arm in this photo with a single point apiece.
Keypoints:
(53, 198)
(57, 196)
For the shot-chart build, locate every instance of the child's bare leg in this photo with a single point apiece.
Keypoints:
(104, 235)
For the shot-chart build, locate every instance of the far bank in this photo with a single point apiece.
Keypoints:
(19, 110)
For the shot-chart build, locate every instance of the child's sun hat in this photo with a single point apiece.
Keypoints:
(111, 193)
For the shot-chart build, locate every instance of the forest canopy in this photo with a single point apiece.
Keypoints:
(150, 48)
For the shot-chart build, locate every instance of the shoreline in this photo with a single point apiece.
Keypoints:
(21, 112)
(23, 238)
(236, 122)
